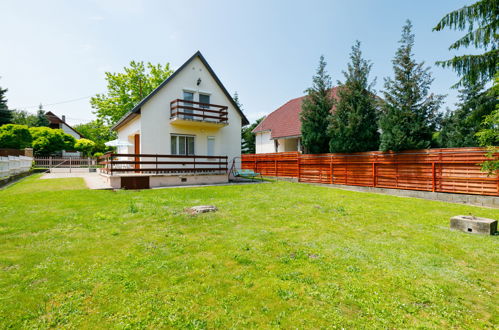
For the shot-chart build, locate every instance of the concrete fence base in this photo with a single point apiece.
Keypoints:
(478, 200)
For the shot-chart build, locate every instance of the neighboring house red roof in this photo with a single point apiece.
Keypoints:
(285, 121)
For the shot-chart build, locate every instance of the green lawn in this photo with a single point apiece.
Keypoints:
(274, 255)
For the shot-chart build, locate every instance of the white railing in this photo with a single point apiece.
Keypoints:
(12, 165)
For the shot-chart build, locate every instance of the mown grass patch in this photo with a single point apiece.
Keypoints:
(274, 255)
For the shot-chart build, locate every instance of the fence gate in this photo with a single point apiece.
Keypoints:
(66, 164)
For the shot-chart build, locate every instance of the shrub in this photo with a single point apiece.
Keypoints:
(15, 136)
(47, 141)
(85, 146)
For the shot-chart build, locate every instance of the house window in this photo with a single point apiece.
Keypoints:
(188, 96)
(211, 146)
(182, 145)
(204, 98)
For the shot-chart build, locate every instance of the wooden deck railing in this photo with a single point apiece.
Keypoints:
(455, 170)
(163, 164)
(192, 110)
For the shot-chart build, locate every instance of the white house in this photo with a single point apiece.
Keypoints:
(189, 114)
(60, 123)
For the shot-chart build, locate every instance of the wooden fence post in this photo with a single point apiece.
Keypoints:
(50, 162)
(433, 177)
(374, 174)
(331, 170)
(299, 166)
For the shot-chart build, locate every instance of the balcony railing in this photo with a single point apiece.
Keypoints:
(191, 110)
(163, 164)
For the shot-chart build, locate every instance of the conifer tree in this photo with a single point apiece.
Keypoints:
(481, 20)
(459, 127)
(5, 113)
(41, 118)
(316, 112)
(354, 125)
(409, 113)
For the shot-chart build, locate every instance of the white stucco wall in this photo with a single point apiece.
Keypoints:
(69, 131)
(263, 143)
(127, 132)
(154, 120)
(77, 136)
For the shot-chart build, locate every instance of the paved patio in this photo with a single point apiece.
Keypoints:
(96, 181)
(92, 180)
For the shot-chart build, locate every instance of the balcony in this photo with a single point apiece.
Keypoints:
(191, 113)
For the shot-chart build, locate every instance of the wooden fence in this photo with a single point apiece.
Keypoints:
(454, 170)
(64, 162)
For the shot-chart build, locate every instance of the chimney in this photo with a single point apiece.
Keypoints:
(63, 118)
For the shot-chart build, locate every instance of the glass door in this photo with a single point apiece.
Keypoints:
(188, 96)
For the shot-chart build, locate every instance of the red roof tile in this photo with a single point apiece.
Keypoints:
(285, 121)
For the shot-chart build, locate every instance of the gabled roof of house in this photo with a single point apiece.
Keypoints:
(136, 110)
(285, 120)
(53, 119)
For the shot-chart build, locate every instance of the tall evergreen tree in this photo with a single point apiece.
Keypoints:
(488, 136)
(354, 125)
(459, 127)
(481, 19)
(5, 113)
(41, 119)
(316, 112)
(409, 113)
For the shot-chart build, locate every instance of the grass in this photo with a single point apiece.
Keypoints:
(274, 255)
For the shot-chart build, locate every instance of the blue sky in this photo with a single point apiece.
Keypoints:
(267, 51)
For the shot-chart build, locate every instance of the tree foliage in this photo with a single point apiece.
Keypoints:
(5, 113)
(488, 136)
(409, 113)
(248, 137)
(481, 20)
(316, 112)
(15, 136)
(47, 141)
(86, 146)
(353, 125)
(98, 132)
(126, 89)
(459, 127)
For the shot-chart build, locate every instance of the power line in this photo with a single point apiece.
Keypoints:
(57, 103)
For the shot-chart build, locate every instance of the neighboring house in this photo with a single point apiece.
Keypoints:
(280, 131)
(60, 123)
(190, 113)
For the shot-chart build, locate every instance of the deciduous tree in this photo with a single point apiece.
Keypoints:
(86, 146)
(126, 89)
(15, 136)
(47, 141)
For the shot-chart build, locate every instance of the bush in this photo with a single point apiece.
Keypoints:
(85, 146)
(15, 136)
(47, 141)
(98, 154)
